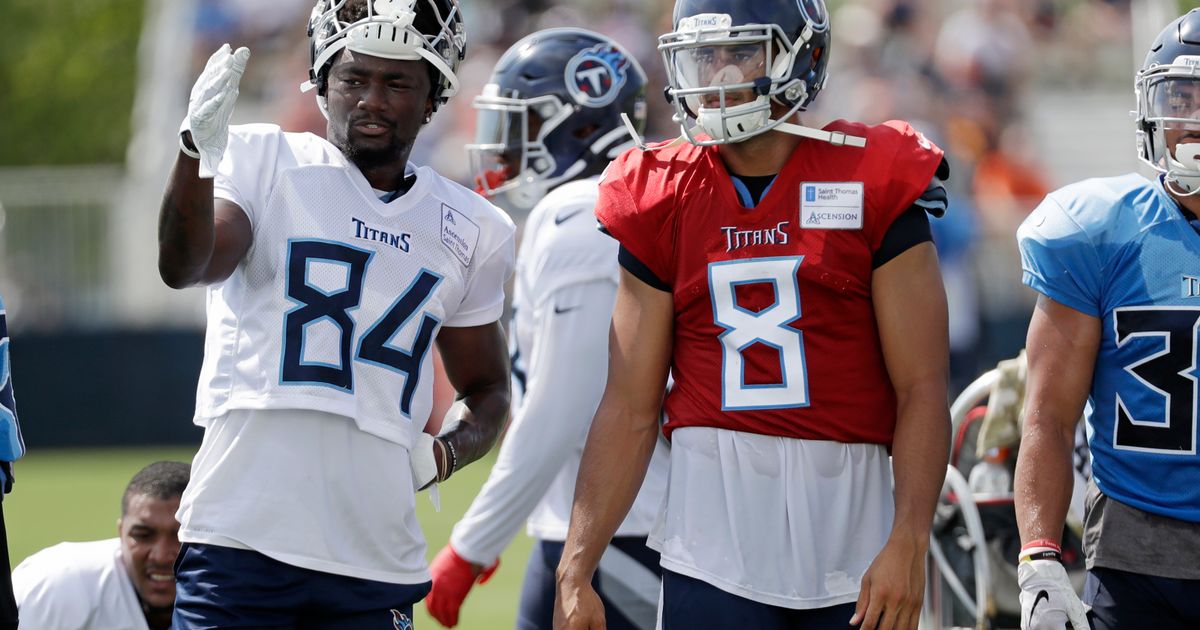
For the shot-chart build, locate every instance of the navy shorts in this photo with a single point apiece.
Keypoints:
(222, 587)
(690, 603)
(1120, 599)
(627, 582)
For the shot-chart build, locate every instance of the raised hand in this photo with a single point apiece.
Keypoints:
(211, 105)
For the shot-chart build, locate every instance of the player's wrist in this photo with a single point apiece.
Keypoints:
(1040, 549)
(570, 575)
(187, 146)
(447, 458)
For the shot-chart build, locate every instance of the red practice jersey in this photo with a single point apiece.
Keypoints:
(775, 330)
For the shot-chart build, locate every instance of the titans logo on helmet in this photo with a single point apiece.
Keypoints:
(594, 76)
(814, 11)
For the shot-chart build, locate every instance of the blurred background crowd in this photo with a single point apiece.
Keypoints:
(1024, 95)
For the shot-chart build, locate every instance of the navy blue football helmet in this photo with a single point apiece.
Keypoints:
(1168, 102)
(551, 113)
(727, 60)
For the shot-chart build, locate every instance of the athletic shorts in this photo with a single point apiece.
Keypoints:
(223, 587)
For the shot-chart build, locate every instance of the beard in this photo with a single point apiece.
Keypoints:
(370, 153)
(370, 157)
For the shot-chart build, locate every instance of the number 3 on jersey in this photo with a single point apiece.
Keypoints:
(770, 326)
(325, 280)
(1168, 373)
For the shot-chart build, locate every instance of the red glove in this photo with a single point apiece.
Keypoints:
(453, 578)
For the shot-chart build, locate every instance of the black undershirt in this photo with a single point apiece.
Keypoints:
(756, 185)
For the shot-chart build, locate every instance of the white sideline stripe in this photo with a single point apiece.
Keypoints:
(630, 586)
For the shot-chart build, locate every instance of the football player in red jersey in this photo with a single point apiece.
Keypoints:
(786, 277)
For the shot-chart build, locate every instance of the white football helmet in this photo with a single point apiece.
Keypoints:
(431, 30)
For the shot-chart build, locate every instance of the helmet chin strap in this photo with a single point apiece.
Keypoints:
(835, 138)
(1184, 176)
(751, 121)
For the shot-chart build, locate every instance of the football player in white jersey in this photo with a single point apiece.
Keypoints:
(331, 266)
(123, 583)
(549, 122)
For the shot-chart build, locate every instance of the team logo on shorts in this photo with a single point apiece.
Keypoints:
(594, 76)
(401, 620)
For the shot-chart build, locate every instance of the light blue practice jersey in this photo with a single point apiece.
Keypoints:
(1121, 250)
(12, 447)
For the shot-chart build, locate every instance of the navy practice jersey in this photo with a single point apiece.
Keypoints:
(1121, 250)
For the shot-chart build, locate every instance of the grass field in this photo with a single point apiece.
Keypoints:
(76, 495)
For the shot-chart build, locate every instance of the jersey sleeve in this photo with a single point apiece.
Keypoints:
(483, 302)
(247, 170)
(911, 161)
(552, 421)
(635, 209)
(12, 446)
(50, 594)
(566, 248)
(1059, 259)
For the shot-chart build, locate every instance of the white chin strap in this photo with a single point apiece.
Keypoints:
(1184, 174)
(835, 138)
(737, 120)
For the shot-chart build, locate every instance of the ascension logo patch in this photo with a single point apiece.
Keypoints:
(594, 76)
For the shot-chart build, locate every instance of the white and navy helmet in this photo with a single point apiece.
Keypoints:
(786, 41)
(1168, 97)
(551, 113)
(429, 30)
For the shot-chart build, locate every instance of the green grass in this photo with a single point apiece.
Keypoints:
(76, 495)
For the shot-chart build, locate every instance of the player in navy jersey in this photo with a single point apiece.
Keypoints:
(786, 278)
(1117, 263)
(332, 266)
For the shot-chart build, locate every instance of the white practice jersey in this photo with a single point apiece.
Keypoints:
(565, 286)
(317, 365)
(77, 586)
(341, 295)
(781, 521)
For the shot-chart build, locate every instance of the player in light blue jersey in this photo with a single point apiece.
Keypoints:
(12, 447)
(1117, 263)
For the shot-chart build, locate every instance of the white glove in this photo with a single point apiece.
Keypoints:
(211, 105)
(424, 464)
(1048, 601)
